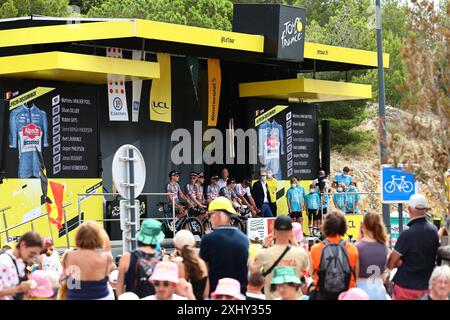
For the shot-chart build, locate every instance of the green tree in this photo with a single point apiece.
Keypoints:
(201, 13)
(20, 8)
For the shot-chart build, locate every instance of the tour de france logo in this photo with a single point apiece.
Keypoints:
(117, 103)
(292, 32)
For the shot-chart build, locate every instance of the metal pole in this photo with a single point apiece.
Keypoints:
(6, 226)
(50, 227)
(382, 107)
(174, 218)
(132, 196)
(79, 210)
(67, 229)
(400, 217)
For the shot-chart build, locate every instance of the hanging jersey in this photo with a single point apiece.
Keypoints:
(28, 131)
(212, 192)
(270, 138)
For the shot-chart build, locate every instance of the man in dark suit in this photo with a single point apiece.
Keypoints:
(262, 196)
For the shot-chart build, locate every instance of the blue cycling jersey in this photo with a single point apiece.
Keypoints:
(28, 131)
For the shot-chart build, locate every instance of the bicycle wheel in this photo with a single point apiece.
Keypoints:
(389, 187)
(236, 222)
(194, 226)
(167, 230)
(408, 186)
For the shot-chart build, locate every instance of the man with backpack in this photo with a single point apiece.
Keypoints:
(136, 267)
(334, 260)
(280, 249)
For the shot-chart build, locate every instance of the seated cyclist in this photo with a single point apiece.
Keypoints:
(242, 190)
(228, 192)
(174, 188)
(213, 190)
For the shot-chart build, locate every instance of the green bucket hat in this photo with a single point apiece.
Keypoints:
(150, 232)
(285, 275)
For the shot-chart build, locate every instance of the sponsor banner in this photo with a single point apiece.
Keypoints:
(161, 91)
(117, 97)
(61, 125)
(24, 197)
(214, 84)
(137, 89)
(287, 138)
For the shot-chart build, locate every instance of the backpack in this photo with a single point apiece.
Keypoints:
(145, 263)
(335, 271)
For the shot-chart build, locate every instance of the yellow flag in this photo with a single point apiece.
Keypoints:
(214, 82)
(161, 92)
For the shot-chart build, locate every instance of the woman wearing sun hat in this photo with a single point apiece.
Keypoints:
(135, 267)
(228, 289)
(287, 283)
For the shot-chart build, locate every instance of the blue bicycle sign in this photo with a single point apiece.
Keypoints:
(397, 185)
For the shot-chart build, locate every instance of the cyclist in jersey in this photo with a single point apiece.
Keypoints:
(192, 190)
(174, 188)
(228, 192)
(200, 191)
(242, 190)
(213, 190)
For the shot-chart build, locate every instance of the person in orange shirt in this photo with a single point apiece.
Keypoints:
(336, 273)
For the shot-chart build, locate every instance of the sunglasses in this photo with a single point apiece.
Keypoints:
(165, 284)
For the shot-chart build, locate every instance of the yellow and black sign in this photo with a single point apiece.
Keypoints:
(214, 83)
(161, 91)
(24, 198)
(28, 96)
(269, 114)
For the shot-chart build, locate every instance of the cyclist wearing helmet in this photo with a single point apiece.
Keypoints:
(225, 250)
(242, 190)
(200, 190)
(192, 190)
(228, 192)
(212, 192)
(174, 188)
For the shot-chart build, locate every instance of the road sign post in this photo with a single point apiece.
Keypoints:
(129, 178)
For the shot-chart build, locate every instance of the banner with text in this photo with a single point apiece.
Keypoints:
(161, 91)
(117, 96)
(287, 138)
(214, 83)
(60, 124)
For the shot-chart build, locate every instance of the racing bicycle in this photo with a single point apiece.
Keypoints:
(187, 222)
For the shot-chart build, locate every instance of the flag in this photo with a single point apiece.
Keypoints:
(194, 66)
(53, 200)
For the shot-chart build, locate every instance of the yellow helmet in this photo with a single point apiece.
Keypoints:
(221, 204)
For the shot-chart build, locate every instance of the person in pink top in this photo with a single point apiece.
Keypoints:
(168, 285)
(228, 289)
(42, 288)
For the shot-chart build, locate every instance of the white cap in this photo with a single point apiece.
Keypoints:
(184, 237)
(254, 235)
(128, 296)
(418, 202)
(114, 275)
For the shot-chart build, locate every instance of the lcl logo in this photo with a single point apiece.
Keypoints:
(160, 107)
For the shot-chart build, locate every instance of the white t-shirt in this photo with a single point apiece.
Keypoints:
(8, 273)
(174, 297)
(264, 186)
(52, 263)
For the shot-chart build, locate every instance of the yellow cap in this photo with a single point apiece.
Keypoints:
(221, 204)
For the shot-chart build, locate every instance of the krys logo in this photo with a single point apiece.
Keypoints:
(117, 103)
(292, 32)
(31, 131)
(160, 107)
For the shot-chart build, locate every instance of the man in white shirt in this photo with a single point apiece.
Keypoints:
(224, 175)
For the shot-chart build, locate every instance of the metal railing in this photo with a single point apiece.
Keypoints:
(31, 221)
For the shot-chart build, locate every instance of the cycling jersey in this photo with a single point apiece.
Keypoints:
(312, 201)
(174, 188)
(212, 192)
(191, 190)
(228, 193)
(240, 190)
(28, 130)
(270, 146)
(222, 183)
(200, 194)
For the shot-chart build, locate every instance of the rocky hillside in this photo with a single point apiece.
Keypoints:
(366, 167)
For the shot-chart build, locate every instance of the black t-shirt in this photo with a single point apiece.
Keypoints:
(226, 252)
(417, 246)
